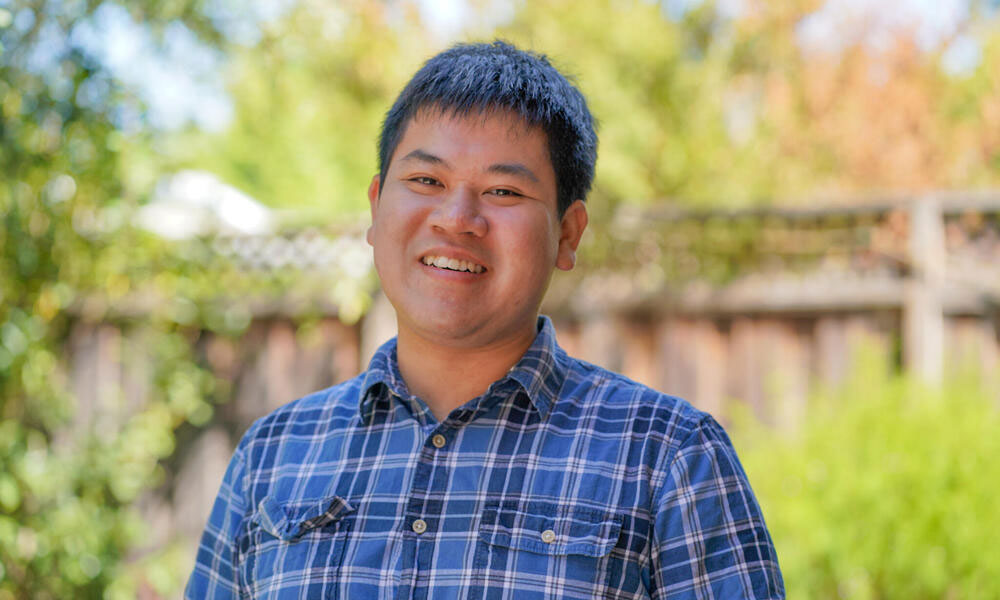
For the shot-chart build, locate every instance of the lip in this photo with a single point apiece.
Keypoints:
(457, 254)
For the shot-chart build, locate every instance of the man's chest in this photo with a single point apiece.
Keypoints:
(491, 507)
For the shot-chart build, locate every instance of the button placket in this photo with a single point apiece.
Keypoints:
(417, 551)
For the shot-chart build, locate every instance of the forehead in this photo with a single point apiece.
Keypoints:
(478, 134)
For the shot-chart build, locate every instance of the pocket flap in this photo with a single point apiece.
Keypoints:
(549, 530)
(289, 521)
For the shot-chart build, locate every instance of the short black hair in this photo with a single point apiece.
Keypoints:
(483, 77)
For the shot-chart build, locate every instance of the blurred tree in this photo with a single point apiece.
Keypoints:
(659, 87)
(67, 254)
(853, 117)
(701, 108)
(310, 96)
(729, 109)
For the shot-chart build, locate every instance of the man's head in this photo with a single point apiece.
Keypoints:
(486, 158)
(488, 78)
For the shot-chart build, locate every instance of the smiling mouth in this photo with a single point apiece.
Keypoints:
(452, 264)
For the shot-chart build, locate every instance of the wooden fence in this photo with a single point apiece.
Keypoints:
(917, 280)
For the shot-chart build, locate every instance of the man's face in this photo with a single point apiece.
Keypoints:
(466, 229)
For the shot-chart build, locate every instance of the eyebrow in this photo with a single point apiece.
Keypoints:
(427, 157)
(515, 169)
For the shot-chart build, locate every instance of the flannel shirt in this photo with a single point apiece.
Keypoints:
(563, 480)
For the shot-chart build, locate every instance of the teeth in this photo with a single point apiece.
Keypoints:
(452, 264)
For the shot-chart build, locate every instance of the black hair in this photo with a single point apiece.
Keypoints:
(469, 78)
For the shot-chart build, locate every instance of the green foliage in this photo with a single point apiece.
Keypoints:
(657, 87)
(887, 490)
(872, 498)
(72, 474)
(704, 109)
(310, 97)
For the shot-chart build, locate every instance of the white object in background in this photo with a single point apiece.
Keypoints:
(192, 203)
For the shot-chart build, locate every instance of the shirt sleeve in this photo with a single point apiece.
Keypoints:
(710, 540)
(215, 576)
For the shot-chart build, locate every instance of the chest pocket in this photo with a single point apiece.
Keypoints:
(544, 546)
(294, 546)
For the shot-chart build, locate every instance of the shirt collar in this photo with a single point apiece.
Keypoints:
(383, 372)
(542, 369)
(540, 372)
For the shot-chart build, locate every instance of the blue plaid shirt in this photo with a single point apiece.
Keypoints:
(563, 480)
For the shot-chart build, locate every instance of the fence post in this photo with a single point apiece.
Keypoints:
(923, 311)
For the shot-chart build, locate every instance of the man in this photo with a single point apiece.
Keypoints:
(474, 458)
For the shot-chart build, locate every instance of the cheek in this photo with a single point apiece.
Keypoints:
(531, 242)
(393, 225)
(387, 250)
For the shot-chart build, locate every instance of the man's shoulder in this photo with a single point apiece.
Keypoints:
(323, 410)
(614, 396)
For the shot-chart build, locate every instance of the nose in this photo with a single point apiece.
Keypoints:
(458, 213)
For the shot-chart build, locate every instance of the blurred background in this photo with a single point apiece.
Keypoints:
(795, 225)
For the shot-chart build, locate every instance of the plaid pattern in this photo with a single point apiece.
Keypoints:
(562, 481)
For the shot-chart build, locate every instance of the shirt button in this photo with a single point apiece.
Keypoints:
(548, 536)
(439, 441)
(419, 526)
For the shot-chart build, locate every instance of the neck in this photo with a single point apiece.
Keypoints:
(446, 377)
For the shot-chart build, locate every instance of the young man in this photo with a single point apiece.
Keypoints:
(474, 458)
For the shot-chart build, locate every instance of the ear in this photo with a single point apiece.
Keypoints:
(574, 221)
(373, 198)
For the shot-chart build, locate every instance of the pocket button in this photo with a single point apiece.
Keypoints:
(548, 536)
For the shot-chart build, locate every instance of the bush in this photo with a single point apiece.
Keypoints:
(888, 489)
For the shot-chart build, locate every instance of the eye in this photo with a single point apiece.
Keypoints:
(424, 180)
(502, 192)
